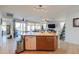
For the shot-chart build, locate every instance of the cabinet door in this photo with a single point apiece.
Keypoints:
(46, 43)
(51, 42)
(30, 43)
(40, 42)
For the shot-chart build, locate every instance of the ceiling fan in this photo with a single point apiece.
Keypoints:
(39, 8)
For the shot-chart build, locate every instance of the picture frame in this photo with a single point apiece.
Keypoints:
(75, 22)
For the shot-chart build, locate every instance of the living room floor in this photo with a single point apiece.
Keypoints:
(8, 46)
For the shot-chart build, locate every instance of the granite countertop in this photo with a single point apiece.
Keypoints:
(40, 34)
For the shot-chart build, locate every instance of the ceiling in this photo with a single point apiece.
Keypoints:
(26, 11)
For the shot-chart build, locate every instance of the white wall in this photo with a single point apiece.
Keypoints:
(72, 33)
(0, 32)
(0, 25)
(9, 21)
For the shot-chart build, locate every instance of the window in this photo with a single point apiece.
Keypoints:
(20, 27)
(23, 27)
(62, 24)
(44, 26)
(30, 27)
(17, 26)
(4, 26)
(33, 26)
(37, 27)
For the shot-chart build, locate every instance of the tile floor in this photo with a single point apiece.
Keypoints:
(8, 46)
(65, 48)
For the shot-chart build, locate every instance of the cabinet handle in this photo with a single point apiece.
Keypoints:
(31, 36)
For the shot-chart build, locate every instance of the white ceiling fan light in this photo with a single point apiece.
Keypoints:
(40, 8)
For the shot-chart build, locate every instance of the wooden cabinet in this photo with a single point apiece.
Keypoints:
(30, 43)
(38, 42)
(51, 42)
(41, 43)
(46, 43)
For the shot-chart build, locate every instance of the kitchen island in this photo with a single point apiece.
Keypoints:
(41, 41)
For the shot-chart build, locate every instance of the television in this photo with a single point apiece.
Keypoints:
(51, 25)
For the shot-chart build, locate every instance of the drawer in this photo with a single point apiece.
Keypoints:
(30, 37)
